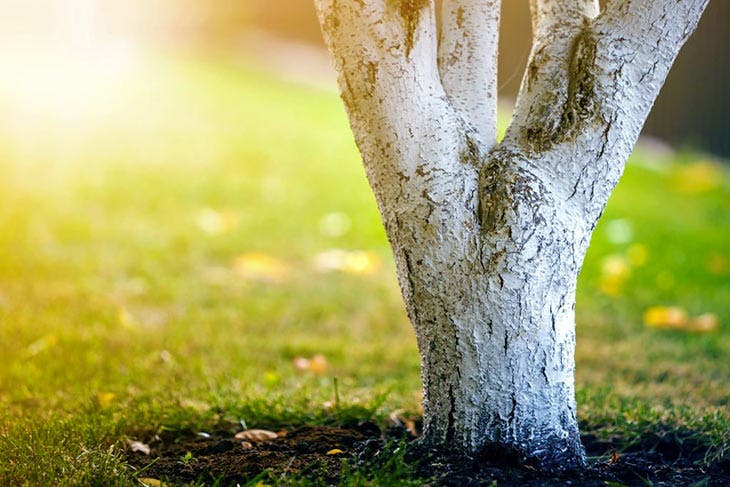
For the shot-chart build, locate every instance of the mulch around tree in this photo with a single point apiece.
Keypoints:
(311, 452)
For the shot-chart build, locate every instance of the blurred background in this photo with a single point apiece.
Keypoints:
(692, 110)
(187, 238)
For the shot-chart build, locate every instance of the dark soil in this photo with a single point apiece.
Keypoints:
(181, 457)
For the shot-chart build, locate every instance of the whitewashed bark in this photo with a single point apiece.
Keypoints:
(467, 59)
(488, 240)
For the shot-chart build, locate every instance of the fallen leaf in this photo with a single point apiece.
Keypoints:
(349, 261)
(138, 446)
(334, 224)
(257, 266)
(665, 317)
(105, 399)
(215, 222)
(43, 343)
(335, 451)
(706, 323)
(256, 435)
(317, 364)
(398, 420)
(271, 378)
(301, 363)
(411, 427)
(614, 458)
(148, 482)
(246, 445)
(614, 272)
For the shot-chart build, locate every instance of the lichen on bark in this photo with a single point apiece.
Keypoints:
(581, 102)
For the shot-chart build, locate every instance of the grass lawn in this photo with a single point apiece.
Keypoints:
(171, 254)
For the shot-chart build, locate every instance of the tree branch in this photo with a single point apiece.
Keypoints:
(467, 61)
(588, 89)
(384, 52)
(413, 143)
(549, 14)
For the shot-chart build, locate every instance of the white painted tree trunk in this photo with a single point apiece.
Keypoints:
(489, 238)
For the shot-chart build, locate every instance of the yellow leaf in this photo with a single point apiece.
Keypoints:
(665, 317)
(148, 482)
(352, 262)
(615, 266)
(335, 451)
(271, 378)
(614, 272)
(105, 399)
(257, 266)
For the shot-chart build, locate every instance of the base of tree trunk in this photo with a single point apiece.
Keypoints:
(551, 455)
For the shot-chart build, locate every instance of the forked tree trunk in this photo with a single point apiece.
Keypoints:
(489, 238)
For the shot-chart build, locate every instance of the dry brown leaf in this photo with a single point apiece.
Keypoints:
(317, 364)
(138, 446)
(614, 458)
(257, 266)
(411, 427)
(706, 323)
(256, 435)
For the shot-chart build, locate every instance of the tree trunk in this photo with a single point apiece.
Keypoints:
(490, 289)
(489, 237)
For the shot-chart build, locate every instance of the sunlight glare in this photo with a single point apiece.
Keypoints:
(62, 65)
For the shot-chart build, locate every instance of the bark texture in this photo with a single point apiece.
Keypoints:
(489, 237)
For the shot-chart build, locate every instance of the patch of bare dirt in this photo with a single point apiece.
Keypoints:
(319, 452)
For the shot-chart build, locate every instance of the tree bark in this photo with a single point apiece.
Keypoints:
(489, 238)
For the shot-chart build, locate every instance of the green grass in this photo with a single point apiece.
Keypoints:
(119, 315)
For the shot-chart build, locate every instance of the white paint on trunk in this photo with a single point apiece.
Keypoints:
(488, 241)
(467, 59)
